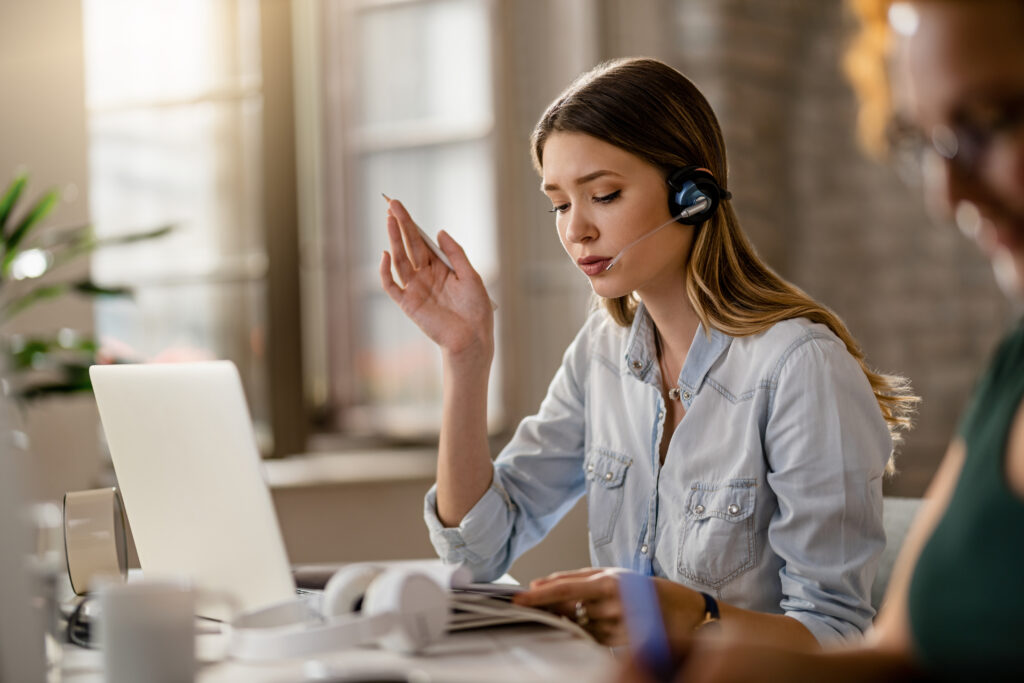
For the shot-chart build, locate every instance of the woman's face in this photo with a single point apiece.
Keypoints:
(959, 80)
(604, 198)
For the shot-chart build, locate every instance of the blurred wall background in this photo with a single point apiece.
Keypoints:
(844, 228)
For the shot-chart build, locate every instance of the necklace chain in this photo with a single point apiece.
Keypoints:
(673, 391)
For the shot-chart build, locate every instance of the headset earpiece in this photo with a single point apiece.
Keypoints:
(400, 609)
(344, 592)
(690, 187)
(419, 603)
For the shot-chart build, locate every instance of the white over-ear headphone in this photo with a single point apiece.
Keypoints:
(399, 609)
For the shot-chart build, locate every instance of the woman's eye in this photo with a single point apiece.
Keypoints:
(608, 198)
(559, 208)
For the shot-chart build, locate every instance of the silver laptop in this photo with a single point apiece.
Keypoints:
(188, 468)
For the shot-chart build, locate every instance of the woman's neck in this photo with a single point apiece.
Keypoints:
(677, 324)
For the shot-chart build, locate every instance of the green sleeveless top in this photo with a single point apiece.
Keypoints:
(966, 598)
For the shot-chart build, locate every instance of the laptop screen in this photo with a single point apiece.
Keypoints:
(184, 451)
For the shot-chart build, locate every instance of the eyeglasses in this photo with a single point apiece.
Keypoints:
(964, 143)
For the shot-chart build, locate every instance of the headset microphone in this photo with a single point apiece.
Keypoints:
(693, 197)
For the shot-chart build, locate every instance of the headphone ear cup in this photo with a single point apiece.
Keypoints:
(419, 603)
(345, 591)
(687, 185)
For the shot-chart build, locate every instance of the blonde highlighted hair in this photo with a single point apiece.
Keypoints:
(651, 110)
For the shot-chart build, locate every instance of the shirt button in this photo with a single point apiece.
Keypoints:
(637, 365)
(608, 476)
(734, 509)
(660, 415)
(686, 395)
(590, 467)
(699, 509)
(643, 549)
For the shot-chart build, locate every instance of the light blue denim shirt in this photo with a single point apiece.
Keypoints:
(770, 497)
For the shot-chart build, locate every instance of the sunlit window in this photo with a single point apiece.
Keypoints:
(174, 113)
(419, 127)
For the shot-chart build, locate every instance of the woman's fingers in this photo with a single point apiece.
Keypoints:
(590, 597)
(456, 255)
(596, 585)
(604, 610)
(418, 250)
(569, 574)
(400, 256)
(387, 281)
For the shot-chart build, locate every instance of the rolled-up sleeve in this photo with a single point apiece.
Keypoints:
(538, 477)
(827, 445)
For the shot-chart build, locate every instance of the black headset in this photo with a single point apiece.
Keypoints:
(694, 194)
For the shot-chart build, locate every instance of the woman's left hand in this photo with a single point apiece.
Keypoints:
(590, 597)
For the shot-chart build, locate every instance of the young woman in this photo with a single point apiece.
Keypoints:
(954, 608)
(724, 427)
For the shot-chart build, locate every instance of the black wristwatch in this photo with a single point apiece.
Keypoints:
(711, 615)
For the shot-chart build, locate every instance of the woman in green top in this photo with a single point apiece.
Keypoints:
(948, 77)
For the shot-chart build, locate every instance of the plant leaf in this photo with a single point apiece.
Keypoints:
(83, 242)
(90, 288)
(23, 351)
(45, 389)
(44, 292)
(10, 198)
(16, 306)
(56, 239)
(37, 213)
(74, 378)
(135, 236)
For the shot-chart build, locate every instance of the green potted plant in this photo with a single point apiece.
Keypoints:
(57, 363)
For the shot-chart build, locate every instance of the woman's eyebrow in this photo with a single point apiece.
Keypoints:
(582, 180)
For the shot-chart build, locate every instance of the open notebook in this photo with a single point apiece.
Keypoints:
(473, 605)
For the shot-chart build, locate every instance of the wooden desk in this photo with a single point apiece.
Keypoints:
(512, 654)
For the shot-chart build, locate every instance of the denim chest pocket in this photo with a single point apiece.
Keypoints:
(605, 472)
(717, 543)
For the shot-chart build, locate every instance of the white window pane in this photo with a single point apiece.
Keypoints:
(425, 61)
(174, 138)
(139, 51)
(193, 322)
(193, 166)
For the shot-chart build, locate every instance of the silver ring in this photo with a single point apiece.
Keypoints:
(581, 614)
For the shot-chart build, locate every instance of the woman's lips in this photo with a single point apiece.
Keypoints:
(593, 265)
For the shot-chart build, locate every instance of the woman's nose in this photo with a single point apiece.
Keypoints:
(579, 227)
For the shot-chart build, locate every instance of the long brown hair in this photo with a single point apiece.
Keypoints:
(651, 110)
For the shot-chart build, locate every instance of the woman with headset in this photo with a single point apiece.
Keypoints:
(724, 427)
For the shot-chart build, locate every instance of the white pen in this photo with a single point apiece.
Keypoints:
(432, 245)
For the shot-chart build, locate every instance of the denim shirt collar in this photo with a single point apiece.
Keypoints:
(641, 358)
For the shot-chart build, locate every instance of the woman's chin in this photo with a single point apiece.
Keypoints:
(608, 290)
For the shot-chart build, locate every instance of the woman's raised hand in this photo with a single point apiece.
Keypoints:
(450, 306)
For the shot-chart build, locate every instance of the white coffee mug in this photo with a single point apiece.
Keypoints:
(147, 631)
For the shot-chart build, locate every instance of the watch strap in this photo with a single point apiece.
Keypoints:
(711, 613)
